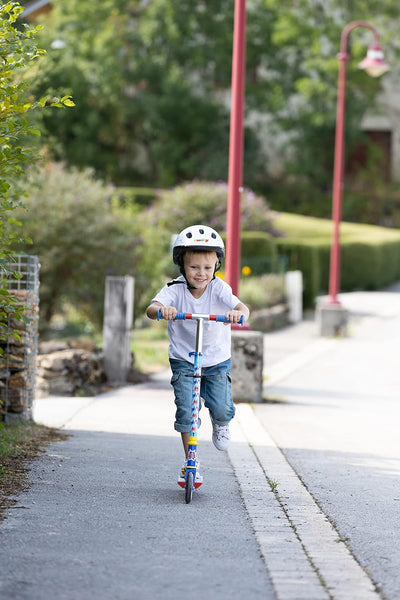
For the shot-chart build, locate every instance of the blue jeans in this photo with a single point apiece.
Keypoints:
(215, 390)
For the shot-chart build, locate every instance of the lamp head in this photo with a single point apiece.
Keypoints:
(374, 63)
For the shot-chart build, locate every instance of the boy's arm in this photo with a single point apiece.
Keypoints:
(168, 312)
(235, 315)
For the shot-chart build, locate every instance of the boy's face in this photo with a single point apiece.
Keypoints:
(199, 268)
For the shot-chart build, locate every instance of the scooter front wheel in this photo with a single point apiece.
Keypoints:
(189, 487)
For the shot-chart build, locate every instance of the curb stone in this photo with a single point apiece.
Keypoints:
(302, 551)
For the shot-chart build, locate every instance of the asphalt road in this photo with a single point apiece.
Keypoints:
(335, 414)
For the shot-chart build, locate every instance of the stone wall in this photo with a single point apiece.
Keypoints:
(18, 362)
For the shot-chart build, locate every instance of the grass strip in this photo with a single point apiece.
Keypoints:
(20, 443)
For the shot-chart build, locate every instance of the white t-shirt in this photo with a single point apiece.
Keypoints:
(216, 299)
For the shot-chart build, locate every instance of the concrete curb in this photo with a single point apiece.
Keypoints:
(304, 554)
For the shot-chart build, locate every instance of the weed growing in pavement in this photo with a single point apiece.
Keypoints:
(274, 485)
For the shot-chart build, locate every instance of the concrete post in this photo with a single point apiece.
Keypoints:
(332, 320)
(117, 326)
(294, 295)
(247, 365)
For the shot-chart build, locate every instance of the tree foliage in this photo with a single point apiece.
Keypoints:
(18, 49)
(152, 82)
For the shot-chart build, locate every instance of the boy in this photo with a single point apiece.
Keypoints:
(198, 251)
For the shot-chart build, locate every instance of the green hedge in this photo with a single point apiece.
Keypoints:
(311, 260)
(369, 266)
(259, 252)
(128, 196)
(364, 266)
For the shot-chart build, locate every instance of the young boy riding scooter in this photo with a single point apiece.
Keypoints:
(198, 251)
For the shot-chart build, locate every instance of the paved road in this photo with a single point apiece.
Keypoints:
(303, 507)
(334, 411)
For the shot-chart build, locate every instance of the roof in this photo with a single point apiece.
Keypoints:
(36, 6)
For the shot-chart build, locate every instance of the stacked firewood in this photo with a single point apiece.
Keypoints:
(65, 370)
(74, 367)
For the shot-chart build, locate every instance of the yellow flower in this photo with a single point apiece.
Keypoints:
(246, 271)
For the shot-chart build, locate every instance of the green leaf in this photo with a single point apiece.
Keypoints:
(34, 131)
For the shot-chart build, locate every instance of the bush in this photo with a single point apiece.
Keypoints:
(370, 255)
(309, 259)
(262, 292)
(370, 266)
(80, 241)
(206, 202)
(258, 253)
(133, 196)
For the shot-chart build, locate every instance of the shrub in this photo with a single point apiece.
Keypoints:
(258, 252)
(262, 292)
(370, 255)
(310, 260)
(80, 241)
(206, 202)
(133, 196)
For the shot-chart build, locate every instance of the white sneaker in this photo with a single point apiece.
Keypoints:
(221, 436)
(182, 476)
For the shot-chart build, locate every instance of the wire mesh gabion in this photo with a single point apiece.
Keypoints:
(18, 360)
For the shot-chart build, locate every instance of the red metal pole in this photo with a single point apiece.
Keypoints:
(235, 174)
(337, 192)
(334, 273)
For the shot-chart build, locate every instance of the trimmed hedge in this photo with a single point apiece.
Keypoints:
(259, 252)
(128, 196)
(370, 266)
(310, 259)
(258, 244)
(364, 266)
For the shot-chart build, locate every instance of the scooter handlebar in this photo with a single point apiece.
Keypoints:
(181, 316)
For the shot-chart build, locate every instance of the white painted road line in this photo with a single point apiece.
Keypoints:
(302, 551)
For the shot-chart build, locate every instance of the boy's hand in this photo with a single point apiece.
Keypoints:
(234, 316)
(168, 312)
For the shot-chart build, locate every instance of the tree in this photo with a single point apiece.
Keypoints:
(149, 82)
(152, 82)
(17, 50)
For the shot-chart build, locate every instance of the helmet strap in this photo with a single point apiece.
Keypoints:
(182, 270)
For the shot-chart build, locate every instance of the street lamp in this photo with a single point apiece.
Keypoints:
(375, 66)
(235, 173)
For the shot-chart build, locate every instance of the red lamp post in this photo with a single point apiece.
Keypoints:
(235, 174)
(375, 66)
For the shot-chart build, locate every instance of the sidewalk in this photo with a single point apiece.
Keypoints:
(301, 508)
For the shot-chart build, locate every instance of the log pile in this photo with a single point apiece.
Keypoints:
(74, 368)
(68, 371)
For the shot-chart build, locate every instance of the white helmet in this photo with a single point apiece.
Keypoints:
(197, 237)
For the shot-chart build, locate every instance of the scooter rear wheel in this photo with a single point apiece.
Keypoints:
(189, 487)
